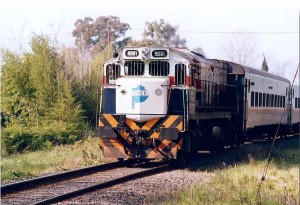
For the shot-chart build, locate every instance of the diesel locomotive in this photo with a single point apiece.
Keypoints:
(160, 102)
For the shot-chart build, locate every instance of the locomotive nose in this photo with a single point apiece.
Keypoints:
(142, 99)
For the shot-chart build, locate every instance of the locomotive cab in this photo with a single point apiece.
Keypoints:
(136, 122)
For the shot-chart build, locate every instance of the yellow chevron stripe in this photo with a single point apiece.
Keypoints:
(111, 120)
(124, 135)
(176, 148)
(101, 124)
(115, 143)
(161, 146)
(102, 144)
(170, 120)
(155, 135)
(180, 126)
(150, 124)
(132, 124)
(179, 144)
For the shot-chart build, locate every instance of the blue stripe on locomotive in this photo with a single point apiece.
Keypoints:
(178, 98)
(109, 100)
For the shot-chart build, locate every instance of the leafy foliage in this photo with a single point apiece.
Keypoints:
(37, 99)
(84, 74)
(93, 35)
(82, 153)
(19, 139)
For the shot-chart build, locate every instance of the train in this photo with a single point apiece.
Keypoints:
(167, 102)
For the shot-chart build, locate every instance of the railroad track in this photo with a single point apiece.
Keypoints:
(56, 188)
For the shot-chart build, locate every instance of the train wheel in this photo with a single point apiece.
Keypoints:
(181, 161)
(184, 155)
(217, 139)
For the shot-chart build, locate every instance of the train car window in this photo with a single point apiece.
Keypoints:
(159, 68)
(283, 104)
(112, 73)
(268, 100)
(256, 99)
(272, 100)
(134, 68)
(264, 99)
(252, 99)
(279, 101)
(260, 99)
(293, 92)
(248, 85)
(180, 74)
(193, 76)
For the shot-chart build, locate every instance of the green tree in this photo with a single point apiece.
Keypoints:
(17, 91)
(37, 98)
(160, 34)
(33, 88)
(93, 35)
(84, 74)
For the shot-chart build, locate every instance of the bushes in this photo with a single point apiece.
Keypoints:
(39, 106)
(20, 139)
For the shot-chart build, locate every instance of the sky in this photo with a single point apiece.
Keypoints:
(273, 24)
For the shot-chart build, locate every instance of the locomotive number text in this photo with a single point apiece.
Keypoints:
(131, 53)
(159, 53)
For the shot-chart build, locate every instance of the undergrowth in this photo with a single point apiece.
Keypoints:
(238, 182)
(59, 158)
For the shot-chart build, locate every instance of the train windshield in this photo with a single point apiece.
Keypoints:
(134, 68)
(159, 68)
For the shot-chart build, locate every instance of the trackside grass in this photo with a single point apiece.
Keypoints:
(238, 182)
(61, 158)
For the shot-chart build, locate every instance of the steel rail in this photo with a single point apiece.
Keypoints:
(107, 184)
(35, 182)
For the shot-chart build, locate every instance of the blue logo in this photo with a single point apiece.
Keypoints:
(139, 95)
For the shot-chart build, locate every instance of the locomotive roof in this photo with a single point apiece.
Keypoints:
(238, 69)
(192, 57)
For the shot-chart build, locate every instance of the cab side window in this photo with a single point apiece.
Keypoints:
(180, 74)
(112, 73)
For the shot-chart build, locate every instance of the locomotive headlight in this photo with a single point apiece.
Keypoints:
(145, 50)
(145, 53)
(158, 92)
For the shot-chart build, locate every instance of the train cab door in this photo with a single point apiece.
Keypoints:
(239, 100)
